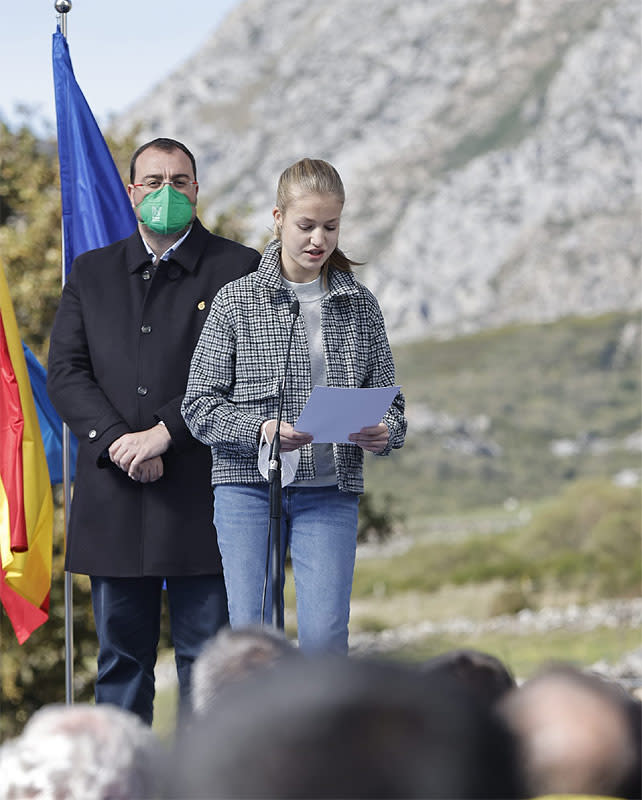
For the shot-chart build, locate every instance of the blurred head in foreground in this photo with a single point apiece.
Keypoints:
(232, 655)
(481, 673)
(81, 752)
(578, 734)
(345, 728)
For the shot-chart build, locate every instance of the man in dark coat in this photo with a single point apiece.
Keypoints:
(128, 321)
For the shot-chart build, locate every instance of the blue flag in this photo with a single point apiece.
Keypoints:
(95, 207)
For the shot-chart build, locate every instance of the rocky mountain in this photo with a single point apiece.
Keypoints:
(490, 148)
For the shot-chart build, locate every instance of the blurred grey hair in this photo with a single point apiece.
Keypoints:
(81, 752)
(232, 655)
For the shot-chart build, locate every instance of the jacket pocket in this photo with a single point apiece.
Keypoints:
(259, 397)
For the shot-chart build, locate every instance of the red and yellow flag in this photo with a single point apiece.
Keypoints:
(26, 504)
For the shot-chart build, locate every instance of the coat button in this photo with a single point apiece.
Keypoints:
(142, 390)
(146, 274)
(145, 328)
(92, 434)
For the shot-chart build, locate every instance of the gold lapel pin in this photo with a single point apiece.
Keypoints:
(201, 305)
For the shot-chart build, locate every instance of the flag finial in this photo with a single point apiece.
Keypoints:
(63, 7)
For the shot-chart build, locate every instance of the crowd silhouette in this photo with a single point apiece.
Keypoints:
(271, 722)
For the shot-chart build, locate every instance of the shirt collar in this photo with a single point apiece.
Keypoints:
(170, 250)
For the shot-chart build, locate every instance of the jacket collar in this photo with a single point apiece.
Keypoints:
(268, 274)
(187, 256)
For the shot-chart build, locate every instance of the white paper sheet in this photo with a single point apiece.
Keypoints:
(332, 413)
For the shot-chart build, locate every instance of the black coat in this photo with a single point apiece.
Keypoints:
(119, 358)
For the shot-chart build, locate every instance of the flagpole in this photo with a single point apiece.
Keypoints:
(63, 7)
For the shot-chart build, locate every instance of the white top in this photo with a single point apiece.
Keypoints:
(310, 296)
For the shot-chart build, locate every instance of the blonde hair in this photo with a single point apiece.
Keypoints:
(312, 176)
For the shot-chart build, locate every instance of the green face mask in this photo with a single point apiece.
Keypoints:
(166, 210)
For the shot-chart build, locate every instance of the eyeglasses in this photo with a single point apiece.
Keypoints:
(152, 184)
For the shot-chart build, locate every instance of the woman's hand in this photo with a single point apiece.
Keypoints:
(290, 439)
(373, 438)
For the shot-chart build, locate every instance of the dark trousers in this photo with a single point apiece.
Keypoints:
(127, 612)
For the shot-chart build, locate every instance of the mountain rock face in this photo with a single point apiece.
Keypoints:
(490, 149)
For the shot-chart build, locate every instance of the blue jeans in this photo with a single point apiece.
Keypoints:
(320, 527)
(127, 612)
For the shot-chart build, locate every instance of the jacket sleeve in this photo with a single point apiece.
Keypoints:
(381, 372)
(71, 384)
(207, 408)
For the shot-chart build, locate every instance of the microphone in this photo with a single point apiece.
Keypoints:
(274, 479)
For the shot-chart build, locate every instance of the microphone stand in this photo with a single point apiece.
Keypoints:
(275, 488)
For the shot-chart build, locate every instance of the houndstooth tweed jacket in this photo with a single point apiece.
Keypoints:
(237, 369)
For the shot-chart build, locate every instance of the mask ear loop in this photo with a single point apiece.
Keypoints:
(289, 461)
(264, 455)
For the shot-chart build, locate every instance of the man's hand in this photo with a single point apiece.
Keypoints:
(290, 439)
(373, 438)
(130, 450)
(149, 471)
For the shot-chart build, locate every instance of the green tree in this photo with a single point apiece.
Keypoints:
(30, 231)
(377, 520)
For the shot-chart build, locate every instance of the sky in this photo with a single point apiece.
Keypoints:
(118, 50)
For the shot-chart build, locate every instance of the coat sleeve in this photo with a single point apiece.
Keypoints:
(207, 408)
(171, 415)
(71, 384)
(246, 260)
(381, 372)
